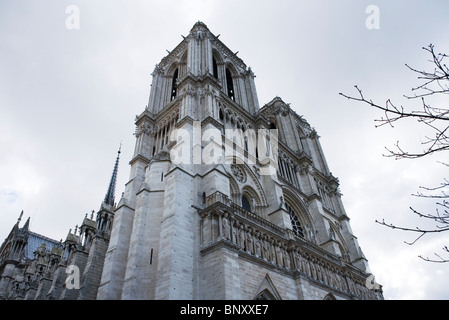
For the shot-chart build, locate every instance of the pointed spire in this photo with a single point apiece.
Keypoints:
(26, 226)
(20, 218)
(110, 195)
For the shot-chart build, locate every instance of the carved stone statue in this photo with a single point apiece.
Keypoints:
(257, 246)
(249, 242)
(226, 228)
(235, 234)
(266, 249)
(242, 238)
(279, 256)
(286, 256)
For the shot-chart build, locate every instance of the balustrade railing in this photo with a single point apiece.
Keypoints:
(223, 220)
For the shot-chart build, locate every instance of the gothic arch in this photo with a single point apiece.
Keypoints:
(217, 55)
(339, 237)
(230, 66)
(265, 295)
(251, 195)
(172, 77)
(182, 64)
(171, 69)
(302, 137)
(234, 188)
(301, 211)
(329, 296)
(183, 57)
(229, 114)
(267, 290)
(255, 184)
(217, 65)
(251, 183)
(230, 84)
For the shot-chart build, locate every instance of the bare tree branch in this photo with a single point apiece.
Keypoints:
(416, 229)
(433, 117)
(434, 83)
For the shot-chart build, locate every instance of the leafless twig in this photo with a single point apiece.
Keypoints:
(434, 83)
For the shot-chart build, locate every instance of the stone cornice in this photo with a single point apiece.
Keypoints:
(210, 120)
(141, 158)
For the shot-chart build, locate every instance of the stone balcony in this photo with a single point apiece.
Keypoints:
(224, 223)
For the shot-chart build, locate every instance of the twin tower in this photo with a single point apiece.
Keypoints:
(225, 199)
(263, 220)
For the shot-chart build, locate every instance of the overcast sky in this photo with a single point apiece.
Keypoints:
(69, 97)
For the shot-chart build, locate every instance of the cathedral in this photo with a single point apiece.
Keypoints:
(226, 200)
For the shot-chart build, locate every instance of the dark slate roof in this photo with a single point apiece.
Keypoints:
(35, 240)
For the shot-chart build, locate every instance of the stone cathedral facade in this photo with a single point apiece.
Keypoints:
(225, 200)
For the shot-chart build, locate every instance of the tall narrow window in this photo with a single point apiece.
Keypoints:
(215, 67)
(174, 85)
(245, 204)
(230, 84)
(297, 228)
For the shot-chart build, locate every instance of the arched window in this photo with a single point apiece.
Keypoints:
(246, 204)
(296, 224)
(329, 296)
(265, 295)
(272, 124)
(230, 84)
(174, 85)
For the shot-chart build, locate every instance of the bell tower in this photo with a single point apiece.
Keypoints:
(225, 199)
(202, 63)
